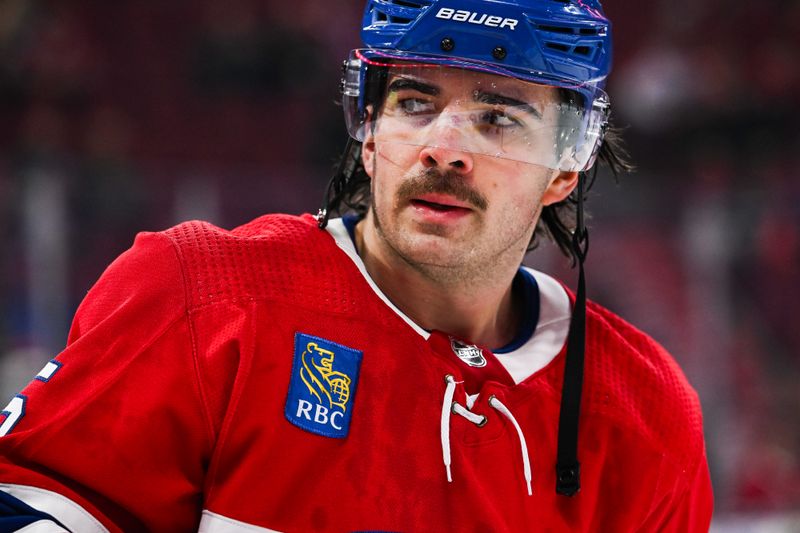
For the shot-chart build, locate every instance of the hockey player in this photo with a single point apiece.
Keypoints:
(395, 369)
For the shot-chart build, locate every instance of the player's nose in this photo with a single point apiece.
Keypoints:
(447, 158)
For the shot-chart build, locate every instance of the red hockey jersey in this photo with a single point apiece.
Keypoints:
(258, 380)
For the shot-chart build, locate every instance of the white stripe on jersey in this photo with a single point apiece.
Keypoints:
(42, 526)
(216, 523)
(337, 228)
(551, 331)
(66, 511)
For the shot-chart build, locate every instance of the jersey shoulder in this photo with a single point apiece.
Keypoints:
(277, 257)
(196, 263)
(146, 279)
(632, 378)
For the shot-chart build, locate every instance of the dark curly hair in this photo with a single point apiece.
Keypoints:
(349, 188)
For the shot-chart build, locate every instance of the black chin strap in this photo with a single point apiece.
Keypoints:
(568, 469)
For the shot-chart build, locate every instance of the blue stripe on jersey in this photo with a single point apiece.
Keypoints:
(16, 514)
(524, 282)
(350, 220)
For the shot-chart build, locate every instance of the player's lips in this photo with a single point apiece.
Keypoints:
(440, 206)
(441, 201)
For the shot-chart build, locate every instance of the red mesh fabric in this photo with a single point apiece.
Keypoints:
(632, 379)
(272, 257)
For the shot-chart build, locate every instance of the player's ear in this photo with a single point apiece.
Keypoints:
(368, 146)
(560, 187)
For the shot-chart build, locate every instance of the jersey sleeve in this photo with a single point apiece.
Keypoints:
(686, 505)
(693, 509)
(113, 434)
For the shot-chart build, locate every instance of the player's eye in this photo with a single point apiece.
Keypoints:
(495, 121)
(415, 106)
(501, 119)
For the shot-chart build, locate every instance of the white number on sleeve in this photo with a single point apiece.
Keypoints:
(13, 412)
(16, 407)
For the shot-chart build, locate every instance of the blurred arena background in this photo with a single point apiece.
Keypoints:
(131, 115)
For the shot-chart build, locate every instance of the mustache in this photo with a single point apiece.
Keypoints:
(433, 180)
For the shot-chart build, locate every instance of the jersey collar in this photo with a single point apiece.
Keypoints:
(544, 326)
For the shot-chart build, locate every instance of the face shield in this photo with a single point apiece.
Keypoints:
(467, 108)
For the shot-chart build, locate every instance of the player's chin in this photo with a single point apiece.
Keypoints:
(441, 238)
(445, 248)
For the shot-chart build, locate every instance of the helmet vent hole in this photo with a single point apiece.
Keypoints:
(397, 12)
(558, 46)
(583, 50)
(555, 29)
(588, 31)
(406, 3)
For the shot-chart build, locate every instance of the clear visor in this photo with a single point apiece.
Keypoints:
(410, 102)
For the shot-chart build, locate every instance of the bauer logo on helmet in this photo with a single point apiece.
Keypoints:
(492, 21)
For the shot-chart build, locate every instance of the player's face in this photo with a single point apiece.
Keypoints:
(438, 197)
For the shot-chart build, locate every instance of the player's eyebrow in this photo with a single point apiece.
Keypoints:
(499, 99)
(409, 83)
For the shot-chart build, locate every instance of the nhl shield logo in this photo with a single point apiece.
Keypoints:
(323, 384)
(469, 353)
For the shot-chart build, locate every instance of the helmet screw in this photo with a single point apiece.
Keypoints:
(499, 53)
(447, 44)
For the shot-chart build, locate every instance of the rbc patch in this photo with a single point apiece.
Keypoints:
(323, 385)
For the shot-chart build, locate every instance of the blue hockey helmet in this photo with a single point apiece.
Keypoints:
(548, 41)
(560, 43)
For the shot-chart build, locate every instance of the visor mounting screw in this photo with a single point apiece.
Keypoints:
(447, 44)
(499, 53)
